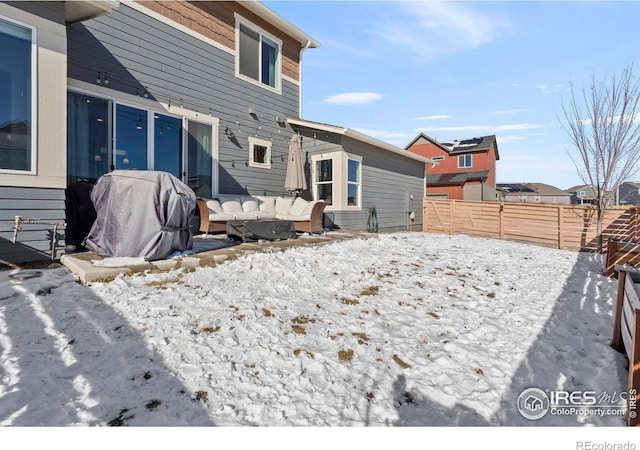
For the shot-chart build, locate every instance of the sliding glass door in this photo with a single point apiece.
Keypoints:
(104, 135)
(131, 138)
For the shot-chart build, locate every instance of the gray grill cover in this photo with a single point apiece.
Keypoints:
(141, 214)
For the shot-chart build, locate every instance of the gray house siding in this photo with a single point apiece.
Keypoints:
(34, 241)
(140, 53)
(629, 194)
(388, 182)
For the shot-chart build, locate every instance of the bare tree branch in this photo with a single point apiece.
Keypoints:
(603, 126)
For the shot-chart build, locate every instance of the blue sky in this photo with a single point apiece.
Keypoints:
(455, 70)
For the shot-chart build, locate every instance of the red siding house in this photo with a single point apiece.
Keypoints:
(465, 170)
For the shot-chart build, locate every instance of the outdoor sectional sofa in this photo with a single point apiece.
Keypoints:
(214, 213)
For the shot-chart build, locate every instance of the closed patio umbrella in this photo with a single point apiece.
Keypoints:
(295, 180)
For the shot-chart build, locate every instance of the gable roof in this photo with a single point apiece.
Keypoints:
(531, 188)
(256, 7)
(357, 136)
(476, 144)
(455, 178)
(427, 138)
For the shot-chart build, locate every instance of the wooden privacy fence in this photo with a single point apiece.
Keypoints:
(570, 227)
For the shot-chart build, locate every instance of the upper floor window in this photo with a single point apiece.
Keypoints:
(258, 56)
(465, 161)
(17, 98)
(437, 158)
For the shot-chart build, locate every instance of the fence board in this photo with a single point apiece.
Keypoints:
(570, 227)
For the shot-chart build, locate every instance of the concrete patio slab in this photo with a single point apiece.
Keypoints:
(209, 250)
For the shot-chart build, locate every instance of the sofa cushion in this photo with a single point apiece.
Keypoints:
(221, 217)
(214, 206)
(266, 204)
(230, 203)
(283, 204)
(249, 204)
(245, 216)
(298, 207)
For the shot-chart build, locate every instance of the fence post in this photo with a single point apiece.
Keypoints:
(501, 220)
(560, 226)
(452, 211)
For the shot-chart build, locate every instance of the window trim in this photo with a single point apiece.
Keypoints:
(264, 143)
(278, 88)
(33, 170)
(437, 158)
(340, 160)
(117, 97)
(464, 166)
(347, 206)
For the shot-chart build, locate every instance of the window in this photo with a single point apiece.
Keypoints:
(537, 199)
(87, 137)
(258, 56)
(337, 179)
(353, 182)
(437, 158)
(323, 185)
(465, 161)
(259, 153)
(103, 135)
(581, 193)
(17, 98)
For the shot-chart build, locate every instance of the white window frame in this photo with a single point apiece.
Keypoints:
(151, 106)
(278, 88)
(340, 160)
(437, 158)
(33, 170)
(253, 141)
(347, 206)
(582, 194)
(464, 156)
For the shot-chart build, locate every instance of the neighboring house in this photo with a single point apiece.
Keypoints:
(533, 193)
(585, 194)
(354, 172)
(629, 193)
(465, 170)
(198, 89)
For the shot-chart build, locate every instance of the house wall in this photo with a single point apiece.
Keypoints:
(451, 192)
(216, 20)
(141, 52)
(39, 195)
(482, 160)
(531, 198)
(388, 182)
(628, 194)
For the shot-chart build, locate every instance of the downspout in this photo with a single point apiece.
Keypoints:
(305, 47)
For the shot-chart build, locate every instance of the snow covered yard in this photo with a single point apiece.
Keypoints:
(403, 329)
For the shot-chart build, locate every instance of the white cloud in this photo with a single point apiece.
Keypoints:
(515, 84)
(504, 139)
(509, 112)
(353, 98)
(434, 117)
(485, 128)
(431, 29)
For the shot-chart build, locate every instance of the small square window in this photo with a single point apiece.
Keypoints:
(259, 153)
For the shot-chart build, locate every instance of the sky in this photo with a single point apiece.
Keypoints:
(456, 70)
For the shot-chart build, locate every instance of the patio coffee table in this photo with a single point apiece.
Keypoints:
(254, 230)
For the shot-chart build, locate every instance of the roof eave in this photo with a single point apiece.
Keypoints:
(359, 137)
(259, 9)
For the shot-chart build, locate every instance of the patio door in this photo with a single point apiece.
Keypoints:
(130, 138)
(200, 158)
(167, 145)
